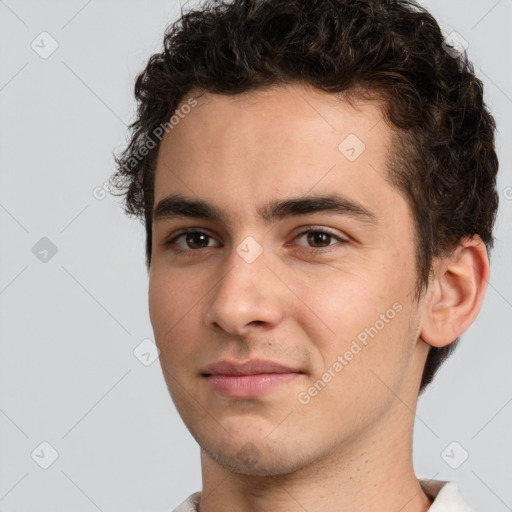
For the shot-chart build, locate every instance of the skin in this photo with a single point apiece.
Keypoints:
(350, 447)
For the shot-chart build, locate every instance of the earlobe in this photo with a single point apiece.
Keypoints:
(455, 293)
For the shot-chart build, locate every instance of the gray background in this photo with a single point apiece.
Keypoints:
(70, 324)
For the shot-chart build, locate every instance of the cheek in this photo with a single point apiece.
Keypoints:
(360, 313)
(160, 300)
(341, 298)
(170, 311)
(171, 294)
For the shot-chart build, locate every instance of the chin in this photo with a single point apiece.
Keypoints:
(255, 460)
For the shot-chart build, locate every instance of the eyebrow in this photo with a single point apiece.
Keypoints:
(177, 205)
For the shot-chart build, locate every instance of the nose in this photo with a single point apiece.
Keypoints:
(248, 295)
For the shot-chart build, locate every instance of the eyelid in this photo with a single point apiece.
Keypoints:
(342, 240)
(322, 229)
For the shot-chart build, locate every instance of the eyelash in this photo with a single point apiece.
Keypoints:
(310, 229)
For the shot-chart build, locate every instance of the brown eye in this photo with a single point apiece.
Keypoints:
(191, 241)
(320, 238)
(196, 240)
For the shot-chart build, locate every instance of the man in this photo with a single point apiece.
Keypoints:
(318, 185)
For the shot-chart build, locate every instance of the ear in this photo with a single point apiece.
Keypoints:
(455, 293)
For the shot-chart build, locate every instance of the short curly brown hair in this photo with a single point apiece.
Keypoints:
(444, 161)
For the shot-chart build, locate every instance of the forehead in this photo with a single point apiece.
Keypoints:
(281, 113)
(281, 141)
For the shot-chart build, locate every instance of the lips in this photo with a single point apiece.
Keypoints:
(248, 379)
(251, 367)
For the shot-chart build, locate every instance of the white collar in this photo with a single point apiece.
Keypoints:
(445, 497)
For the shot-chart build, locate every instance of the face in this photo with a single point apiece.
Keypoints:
(309, 263)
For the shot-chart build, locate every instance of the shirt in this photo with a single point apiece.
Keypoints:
(445, 497)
